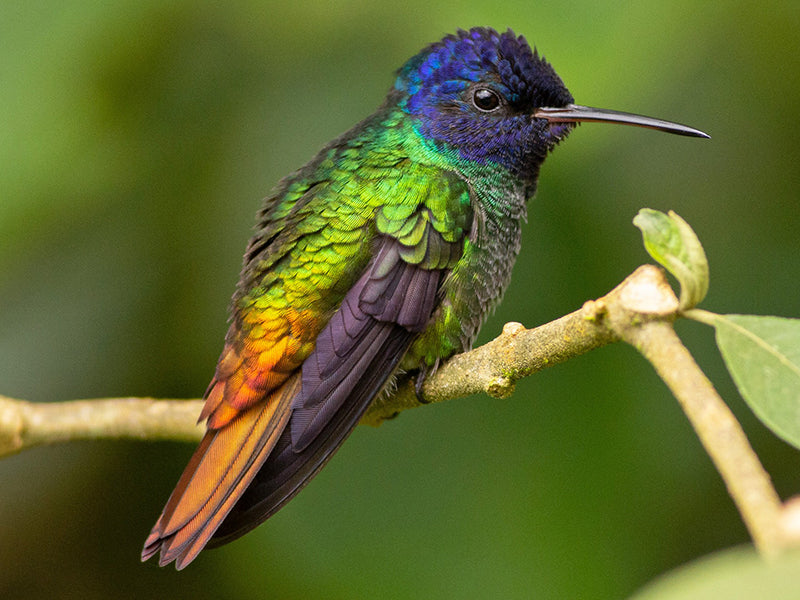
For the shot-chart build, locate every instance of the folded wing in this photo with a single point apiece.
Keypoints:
(260, 457)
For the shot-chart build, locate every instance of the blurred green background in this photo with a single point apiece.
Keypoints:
(136, 141)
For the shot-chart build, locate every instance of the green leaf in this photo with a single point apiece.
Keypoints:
(736, 574)
(672, 242)
(763, 357)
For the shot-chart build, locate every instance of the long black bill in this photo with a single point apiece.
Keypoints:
(573, 113)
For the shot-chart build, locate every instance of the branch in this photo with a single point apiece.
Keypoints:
(493, 368)
(720, 433)
(25, 424)
(639, 311)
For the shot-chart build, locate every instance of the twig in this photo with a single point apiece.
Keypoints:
(720, 433)
(639, 311)
(28, 424)
(493, 368)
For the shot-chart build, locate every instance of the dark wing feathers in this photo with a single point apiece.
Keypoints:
(400, 298)
(245, 471)
(404, 295)
(288, 471)
(354, 357)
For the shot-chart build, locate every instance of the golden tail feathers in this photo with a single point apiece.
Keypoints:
(218, 473)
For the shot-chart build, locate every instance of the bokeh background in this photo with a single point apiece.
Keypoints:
(137, 139)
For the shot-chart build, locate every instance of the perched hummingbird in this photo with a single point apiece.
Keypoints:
(380, 257)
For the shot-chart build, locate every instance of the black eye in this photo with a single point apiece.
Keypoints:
(485, 99)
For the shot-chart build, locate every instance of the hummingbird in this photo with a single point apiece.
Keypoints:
(377, 260)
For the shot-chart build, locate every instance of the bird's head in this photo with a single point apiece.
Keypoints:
(475, 93)
(489, 98)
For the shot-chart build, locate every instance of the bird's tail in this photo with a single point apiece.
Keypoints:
(218, 473)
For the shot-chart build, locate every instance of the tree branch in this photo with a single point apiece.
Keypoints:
(639, 311)
(25, 424)
(720, 433)
(493, 368)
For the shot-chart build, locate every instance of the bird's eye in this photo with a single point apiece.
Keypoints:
(485, 99)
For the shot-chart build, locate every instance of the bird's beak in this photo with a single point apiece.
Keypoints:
(574, 113)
